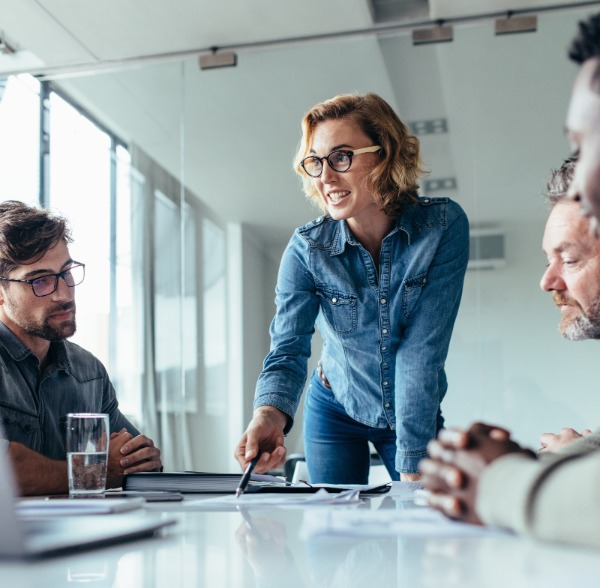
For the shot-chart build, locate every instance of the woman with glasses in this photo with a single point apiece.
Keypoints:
(380, 274)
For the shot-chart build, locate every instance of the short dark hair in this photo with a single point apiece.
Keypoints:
(558, 185)
(27, 233)
(586, 45)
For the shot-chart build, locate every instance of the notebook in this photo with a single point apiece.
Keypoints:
(34, 537)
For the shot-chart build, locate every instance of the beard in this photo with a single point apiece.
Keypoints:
(586, 325)
(43, 329)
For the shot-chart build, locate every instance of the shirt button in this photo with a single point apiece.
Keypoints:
(387, 404)
(385, 383)
(383, 301)
(384, 331)
(383, 348)
(334, 300)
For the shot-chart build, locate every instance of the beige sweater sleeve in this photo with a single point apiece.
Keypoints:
(556, 498)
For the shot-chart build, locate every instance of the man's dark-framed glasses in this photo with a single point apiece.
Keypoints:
(48, 283)
(339, 160)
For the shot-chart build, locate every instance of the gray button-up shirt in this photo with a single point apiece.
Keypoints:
(34, 404)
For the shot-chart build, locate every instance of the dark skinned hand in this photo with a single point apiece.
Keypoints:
(456, 461)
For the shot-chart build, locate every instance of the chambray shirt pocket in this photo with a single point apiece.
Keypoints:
(411, 291)
(339, 309)
(20, 425)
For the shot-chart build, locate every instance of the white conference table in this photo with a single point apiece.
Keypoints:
(223, 549)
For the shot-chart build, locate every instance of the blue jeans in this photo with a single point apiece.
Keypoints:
(337, 446)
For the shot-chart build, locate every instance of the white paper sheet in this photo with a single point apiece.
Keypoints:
(405, 490)
(416, 521)
(321, 497)
(79, 506)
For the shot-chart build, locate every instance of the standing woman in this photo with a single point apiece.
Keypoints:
(380, 274)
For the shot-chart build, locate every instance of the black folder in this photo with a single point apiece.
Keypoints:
(216, 483)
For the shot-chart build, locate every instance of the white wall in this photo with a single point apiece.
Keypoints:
(508, 364)
(259, 270)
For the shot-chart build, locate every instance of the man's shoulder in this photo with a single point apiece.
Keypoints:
(80, 362)
(11, 348)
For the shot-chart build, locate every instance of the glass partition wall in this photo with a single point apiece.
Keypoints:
(141, 235)
(179, 186)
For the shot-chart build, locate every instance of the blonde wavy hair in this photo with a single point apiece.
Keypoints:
(394, 181)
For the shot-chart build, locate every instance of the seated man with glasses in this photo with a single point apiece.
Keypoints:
(43, 377)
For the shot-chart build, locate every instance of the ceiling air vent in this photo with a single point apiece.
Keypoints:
(385, 11)
(486, 248)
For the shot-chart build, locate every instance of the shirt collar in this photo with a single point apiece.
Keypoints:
(344, 235)
(18, 351)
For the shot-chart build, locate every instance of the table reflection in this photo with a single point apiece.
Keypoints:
(270, 547)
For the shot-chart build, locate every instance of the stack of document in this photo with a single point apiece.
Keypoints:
(210, 483)
(196, 482)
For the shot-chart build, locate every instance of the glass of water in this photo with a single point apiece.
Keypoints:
(87, 453)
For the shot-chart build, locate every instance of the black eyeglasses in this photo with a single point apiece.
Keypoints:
(45, 285)
(338, 160)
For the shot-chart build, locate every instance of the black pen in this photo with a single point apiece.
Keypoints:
(246, 477)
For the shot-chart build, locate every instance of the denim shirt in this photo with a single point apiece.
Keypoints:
(385, 334)
(34, 404)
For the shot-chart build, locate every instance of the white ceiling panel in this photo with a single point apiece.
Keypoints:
(28, 27)
(461, 8)
(117, 29)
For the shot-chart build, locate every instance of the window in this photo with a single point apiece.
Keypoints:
(175, 308)
(79, 181)
(152, 306)
(20, 145)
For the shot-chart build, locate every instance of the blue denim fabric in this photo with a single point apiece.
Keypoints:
(34, 404)
(385, 333)
(336, 446)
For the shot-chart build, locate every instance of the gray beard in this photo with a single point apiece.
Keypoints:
(585, 326)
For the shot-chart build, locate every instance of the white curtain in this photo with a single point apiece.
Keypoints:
(164, 290)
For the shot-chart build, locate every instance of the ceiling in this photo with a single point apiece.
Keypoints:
(231, 133)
